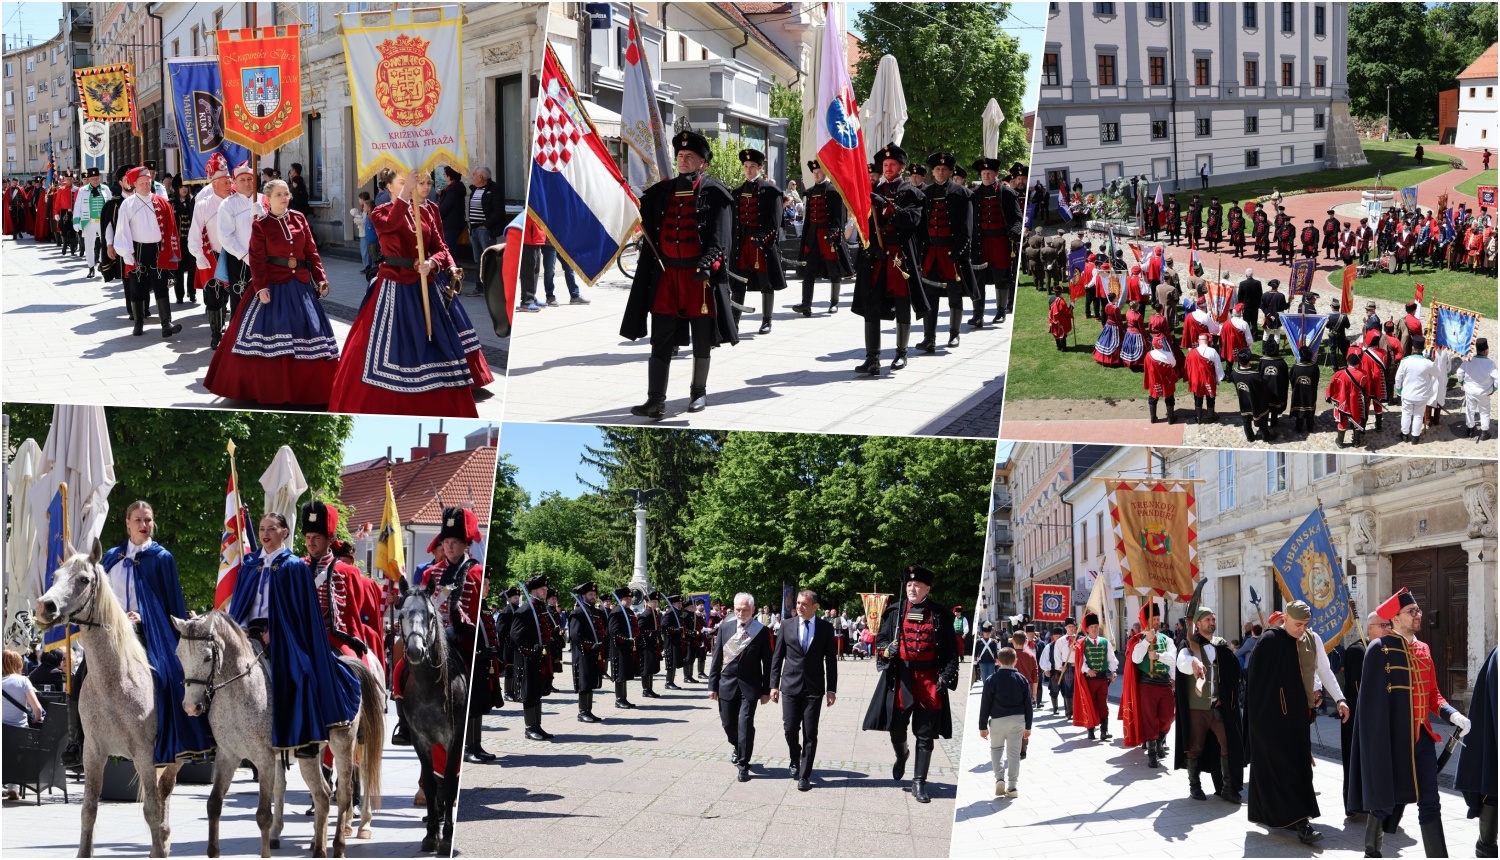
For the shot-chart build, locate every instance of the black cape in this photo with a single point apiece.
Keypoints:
(1251, 388)
(715, 229)
(1304, 385)
(893, 675)
(870, 293)
(1477, 763)
(1276, 721)
(1273, 371)
(1354, 661)
(1229, 711)
(1382, 766)
(809, 261)
(768, 197)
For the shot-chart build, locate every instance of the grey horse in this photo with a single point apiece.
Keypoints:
(118, 705)
(433, 704)
(226, 679)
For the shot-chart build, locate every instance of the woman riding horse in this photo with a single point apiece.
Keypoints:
(276, 602)
(143, 576)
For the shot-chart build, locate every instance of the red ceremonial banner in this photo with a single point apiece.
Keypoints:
(262, 76)
(1486, 195)
(1346, 299)
(1051, 602)
(1421, 288)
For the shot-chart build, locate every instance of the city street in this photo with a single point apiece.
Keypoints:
(68, 338)
(51, 829)
(657, 782)
(571, 364)
(1092, 798)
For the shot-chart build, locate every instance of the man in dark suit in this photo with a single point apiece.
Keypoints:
(803, 670)
(1250, 295)
(740, 678)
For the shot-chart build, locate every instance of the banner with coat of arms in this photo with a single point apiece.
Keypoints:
(1156, 536)
(407, 88)
(261, 75)
(198, 110)
(1307, 569)
(1453, 329)
(107, 94)
(1052, 602)
(874, 606)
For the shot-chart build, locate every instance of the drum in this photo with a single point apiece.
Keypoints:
(1388, 262)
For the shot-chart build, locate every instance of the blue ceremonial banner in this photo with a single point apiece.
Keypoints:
(1301, 277)
(1453, 329)
(703, 599)
(1307, 569)
(1409, 197)
(198, 109)
(1076, 261)
(1305, 329)
(1030, 215)
(57, 548)
(788, 601)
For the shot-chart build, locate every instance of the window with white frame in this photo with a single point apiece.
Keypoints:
(31, 94)
(1325, 465)
(1099, 521)
(1275, 473)
(1226, 481)
(1083, 542)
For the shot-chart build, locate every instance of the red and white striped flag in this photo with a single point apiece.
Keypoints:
(232, 547)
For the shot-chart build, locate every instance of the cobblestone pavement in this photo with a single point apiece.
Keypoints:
(67, 337)
(51, 829)
(657, 781)
(570, 364)
(1087, 798)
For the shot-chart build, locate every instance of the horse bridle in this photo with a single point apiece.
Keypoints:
(208, 683)
(72, 616)
(433, 631)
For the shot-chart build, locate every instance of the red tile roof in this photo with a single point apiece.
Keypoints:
(460, 478)
(1484, 67)
(764, 8)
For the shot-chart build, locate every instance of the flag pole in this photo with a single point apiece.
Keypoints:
(239, 504)
(416, 206)
(62, 490)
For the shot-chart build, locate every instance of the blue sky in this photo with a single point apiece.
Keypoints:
(37, 20)
(546, 456)
(372, 433)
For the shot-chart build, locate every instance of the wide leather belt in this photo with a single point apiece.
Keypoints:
(287, 262)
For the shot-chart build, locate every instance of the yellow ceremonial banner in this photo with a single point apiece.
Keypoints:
(390, 549)
(874, 607)
(1156, 536)
(107, 93)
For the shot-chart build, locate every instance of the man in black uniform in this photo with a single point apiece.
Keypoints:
(1337, 327)
(1215, 223)
(1194, 220)
(1304, 390)
(588, 636)
(1174, 219)
(947, 228)
(1153, 217)
(1262, 233)
(885, 284)
(1273, 370)
(740, 678)
(507, 652)
(624, 646)
(1012, 191)
(804, 672)
(1250, 385)
(755, 259)
(1250, 293)
(1237, 228)
(673, 625)
(651, 644)
(991, 246)
(682, 278)
(918, 663)
(532, 639)
(1330, 236)
(823, 254)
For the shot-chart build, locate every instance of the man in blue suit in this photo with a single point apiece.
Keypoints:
(804, 669)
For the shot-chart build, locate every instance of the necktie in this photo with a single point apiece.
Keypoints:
(806, 634)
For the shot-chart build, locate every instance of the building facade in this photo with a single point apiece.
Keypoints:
(998, 597)
(131, 33)
(1041, 519)
(1477, 115)
(40, 106)
(1250, 90)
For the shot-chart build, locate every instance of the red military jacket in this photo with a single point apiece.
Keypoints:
(345, 602)
(460, 607)
(1426, 698)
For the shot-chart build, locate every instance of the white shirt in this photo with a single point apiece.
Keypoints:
(1478, 375)
(236, 217)
(1417, 378)
(1061, 650)
(260, 607)
(1138, 653)
(122, 583)
(81, 204)
(205, 215)
(136, 223)
(1329, 684)
(1205, 319)
(1211, 356)
(1186, 661)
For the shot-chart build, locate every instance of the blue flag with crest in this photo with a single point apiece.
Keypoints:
(1307, 569)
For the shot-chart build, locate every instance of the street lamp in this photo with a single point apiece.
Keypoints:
(1387, 136)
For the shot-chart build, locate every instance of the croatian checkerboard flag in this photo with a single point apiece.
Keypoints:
(840, 140)
(577, 195)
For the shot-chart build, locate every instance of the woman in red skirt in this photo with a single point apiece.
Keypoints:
(279, 349)
(468, 337)
(390, 364)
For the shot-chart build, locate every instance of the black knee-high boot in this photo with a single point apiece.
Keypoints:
(767, 299)
(698, 392)
(903, 337)
(833, 296)
(871, 364)
(919, 774)
(807, 292)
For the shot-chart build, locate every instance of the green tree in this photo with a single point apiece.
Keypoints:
(786, 102)
(176, 460)
(725, 165)
(677, 461)
(1457, 33)
(559, 521)
(563, 566)
(1386, 38)
(954, 58)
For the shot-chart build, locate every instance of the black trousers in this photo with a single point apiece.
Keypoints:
(799, 720)
(146, 281)
(955, 292)
(737, 715)
(664, 335)
(873, 323)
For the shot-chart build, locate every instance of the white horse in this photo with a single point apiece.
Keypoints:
(226, 680)
(117, 706)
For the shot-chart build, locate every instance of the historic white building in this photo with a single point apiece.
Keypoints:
(1428, 524)
(1160, 90)
(1477, 115)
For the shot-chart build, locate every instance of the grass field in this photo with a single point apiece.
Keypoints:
(1037, 371)
(1473, 292)
(1394, 161)
(1471, 187)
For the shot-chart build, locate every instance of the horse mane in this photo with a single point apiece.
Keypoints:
(237, 643)
(118, 629)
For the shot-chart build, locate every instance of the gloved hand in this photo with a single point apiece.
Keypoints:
(949, 679)
(1460, 722)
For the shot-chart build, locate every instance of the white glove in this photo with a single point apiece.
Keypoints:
(1460, 722)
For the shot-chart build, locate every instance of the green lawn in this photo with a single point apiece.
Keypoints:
(1037, 371)
(1473, 292)
(1471, 187)
(1393, 160)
